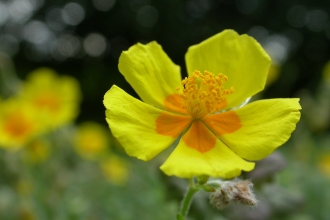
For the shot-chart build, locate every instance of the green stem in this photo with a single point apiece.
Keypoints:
(186, 202)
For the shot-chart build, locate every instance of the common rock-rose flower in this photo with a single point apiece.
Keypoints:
(17, 123)
(56, 98)
(219, 136)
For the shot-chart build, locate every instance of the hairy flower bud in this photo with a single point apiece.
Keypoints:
(237, 191)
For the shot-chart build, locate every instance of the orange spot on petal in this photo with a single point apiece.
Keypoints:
(171, 124)
(48, 101)
(223, 123)
(174, 103)
(199, 137)
(16, 125)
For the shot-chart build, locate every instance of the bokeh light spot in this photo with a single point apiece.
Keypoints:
(317, 20)
(95, 44)
(3, 13)
(135, 5)
(104, 5)
(73, 13)
(197, 8)
(36, 32)
(20, 10)
(68, 45)
(54, 19)
(147, 16)
(259, 33)
(277, 46)
(297, 16)
(246, 6)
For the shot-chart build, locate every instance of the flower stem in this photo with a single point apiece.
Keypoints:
(186, 202)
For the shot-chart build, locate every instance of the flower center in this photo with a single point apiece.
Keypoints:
(48, 101)
(16, 125)
(203, 93)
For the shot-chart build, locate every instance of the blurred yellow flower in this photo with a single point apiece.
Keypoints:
(91, 140)
(55, 97)
(324, 164)
(18, 123)
(115, 169)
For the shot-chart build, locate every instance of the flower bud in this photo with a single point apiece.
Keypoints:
(237, 191)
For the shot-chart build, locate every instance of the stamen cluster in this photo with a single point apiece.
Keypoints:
(203, 93)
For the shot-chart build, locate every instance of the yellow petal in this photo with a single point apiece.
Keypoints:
(220, 161)
(266, 125)
(137, 125)
(150, 72)
(239, 57)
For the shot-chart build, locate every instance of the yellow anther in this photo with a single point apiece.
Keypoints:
(202, 93)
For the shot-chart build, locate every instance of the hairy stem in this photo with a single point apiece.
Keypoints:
(186, 202)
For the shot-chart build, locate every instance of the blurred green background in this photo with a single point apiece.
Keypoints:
(84, 39)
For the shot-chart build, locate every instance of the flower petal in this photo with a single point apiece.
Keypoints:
(173, 103)
(224, 123)
(135, 124)
(240, 57)
(171, 124)
(150, 72)
(265, 125)
(199, 138)
(220, 161)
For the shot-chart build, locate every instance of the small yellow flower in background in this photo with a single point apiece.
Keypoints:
(91, 140)
(115, 169)
(324, 164)
(55, 97)
(218, 138)
(17, 123)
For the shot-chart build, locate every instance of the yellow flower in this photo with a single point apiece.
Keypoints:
(217, 138)
(324, 164)
(115, 170)
(18, 123)
(91, 140)
(55, 97)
